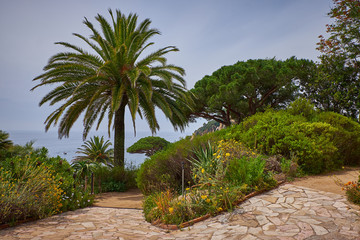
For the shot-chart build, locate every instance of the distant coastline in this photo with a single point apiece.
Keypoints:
(67, 147)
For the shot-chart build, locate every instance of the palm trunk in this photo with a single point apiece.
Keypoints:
(85, 185)
(119, 138)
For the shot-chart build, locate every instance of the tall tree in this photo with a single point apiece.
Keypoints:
(336, 87)
(344, 32)
(240, 90)
(112, 77)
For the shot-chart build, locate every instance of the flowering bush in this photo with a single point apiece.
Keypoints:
(31, 191)
(76, 198)
(353, 191)
(221, 176)
(33, 185)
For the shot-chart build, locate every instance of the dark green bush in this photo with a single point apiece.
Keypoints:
(163, 170)
(114, 179)
(347, 138)
(302, 107)
(246, 170)
(279, 132)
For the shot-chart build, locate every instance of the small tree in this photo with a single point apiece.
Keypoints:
(96, 150)
(148, 145)
(5, 143)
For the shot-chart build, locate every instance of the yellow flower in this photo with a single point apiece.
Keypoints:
(218, 156)
(209, 178)
(219, 209)
(171, 210)
(187, 189)
(207, 200)
(203, 197)
(227, 154)
(202, 170)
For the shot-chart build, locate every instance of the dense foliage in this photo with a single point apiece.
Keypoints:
(221, 176)
(33, 185)
(234, 92)
(114, 179)
(163, 170)
(302, 137)
(322, 141)
(335, 86)
(148, 145)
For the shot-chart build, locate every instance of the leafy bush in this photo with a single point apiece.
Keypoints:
(163, 170)
(28, 190)
(114, 179)
(219, 183)
(346, 139)
(302, 107)
(76, 198)
(33, 185)
(278, 132)
(352, 189)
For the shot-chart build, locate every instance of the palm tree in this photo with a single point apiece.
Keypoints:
(112, 78)
(96, 150)
(5, 143)
(83, 169)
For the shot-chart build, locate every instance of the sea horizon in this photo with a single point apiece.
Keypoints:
(66, 147)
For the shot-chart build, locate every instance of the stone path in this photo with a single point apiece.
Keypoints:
(289, 212)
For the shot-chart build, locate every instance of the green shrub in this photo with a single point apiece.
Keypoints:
(28, 190)
(220, 180)
(163, 170)
(278, 132)
(352, 190)
(346, 139)
(114, 179)
(302, 107)
(76, 198)
(246, 171)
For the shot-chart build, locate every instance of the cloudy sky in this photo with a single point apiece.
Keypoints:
(209, 34)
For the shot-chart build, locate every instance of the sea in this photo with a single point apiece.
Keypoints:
(67, 147)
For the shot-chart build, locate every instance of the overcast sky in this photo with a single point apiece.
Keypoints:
(209, 34)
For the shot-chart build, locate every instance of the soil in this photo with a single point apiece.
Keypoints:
(129, 199)
(133, 198)
(326, 182)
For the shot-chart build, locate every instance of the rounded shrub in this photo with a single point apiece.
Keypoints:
(279, 132)
(163, 170)
(347, 138)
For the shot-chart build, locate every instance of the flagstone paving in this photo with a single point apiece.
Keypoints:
(288, 212)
